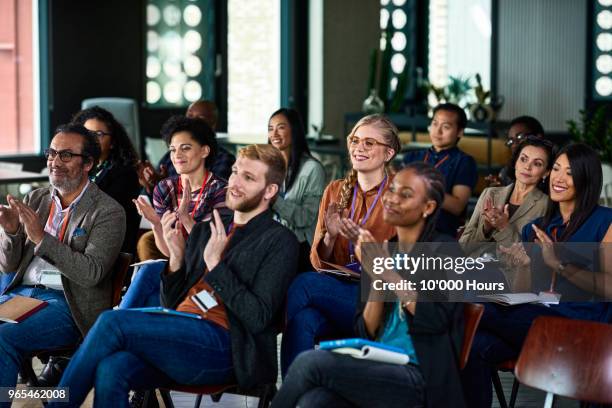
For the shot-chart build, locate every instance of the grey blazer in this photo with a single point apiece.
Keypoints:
(85, 257)
(533, 206)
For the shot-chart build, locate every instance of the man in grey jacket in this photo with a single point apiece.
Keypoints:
(62, 242)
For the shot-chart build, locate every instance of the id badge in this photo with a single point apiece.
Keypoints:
(51, 278)
(204, 300)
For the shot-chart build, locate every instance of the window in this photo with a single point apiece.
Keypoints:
(253, 37)
(180, 52)
(17, 77)
(602, 50)
(459, 40)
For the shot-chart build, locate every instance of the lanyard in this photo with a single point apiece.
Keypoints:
(197, 203)
(439, 162)
(62, 230)
(353, 209)
(367, 215)
(554, 231)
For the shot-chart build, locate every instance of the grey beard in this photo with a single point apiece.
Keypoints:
(67, 186)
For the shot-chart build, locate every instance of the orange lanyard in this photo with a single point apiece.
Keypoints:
(197, 203)
(439, 163)
(553, 232)
(62, 230)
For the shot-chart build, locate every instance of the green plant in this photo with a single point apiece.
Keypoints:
(594, 130)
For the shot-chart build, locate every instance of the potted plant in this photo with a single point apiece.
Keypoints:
(596, 131)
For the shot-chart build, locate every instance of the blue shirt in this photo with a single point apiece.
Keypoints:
(592, 230)
(396, 334)
(458, 169)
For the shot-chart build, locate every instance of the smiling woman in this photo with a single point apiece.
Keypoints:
(502, 212)
(297, 205)
(193, 193)
(319, 304)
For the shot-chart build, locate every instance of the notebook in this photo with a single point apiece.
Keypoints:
(338, 270)
(19, 308)
(166, 311)
(511, 299)
(367, 350)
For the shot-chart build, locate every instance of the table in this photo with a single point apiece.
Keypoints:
(18, 177)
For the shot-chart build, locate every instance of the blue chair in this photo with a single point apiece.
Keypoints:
(125, 110)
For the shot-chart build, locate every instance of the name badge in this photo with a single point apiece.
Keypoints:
(51, 278)
(204, 300)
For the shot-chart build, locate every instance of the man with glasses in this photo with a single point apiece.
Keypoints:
(459, 169)
(62, 242)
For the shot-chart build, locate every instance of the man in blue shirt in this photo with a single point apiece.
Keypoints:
(459, 169)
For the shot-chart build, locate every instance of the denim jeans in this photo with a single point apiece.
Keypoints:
(318, 306)
(320, 378)
(128, 349)
(144, 290)
(500, 336)
(5, 280)
(51, 327)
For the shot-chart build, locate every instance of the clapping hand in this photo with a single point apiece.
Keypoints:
(145, 209)
(494, 217)
(175, 241)
(332, 219)
(29, 218)
(216, 243)
(182, 211)
(515, 255)
(9, 217)
(147, 176)
(349, 229)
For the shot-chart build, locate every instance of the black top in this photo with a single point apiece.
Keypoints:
(252, 280)
(120, 181)
(436, 330)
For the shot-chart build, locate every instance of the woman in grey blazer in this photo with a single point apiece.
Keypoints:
(501, 212)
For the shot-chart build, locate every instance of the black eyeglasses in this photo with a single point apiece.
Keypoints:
(99, 133)
(64, 155)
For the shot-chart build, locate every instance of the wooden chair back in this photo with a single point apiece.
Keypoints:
(472, 315)
(122, 264)
(570, 358)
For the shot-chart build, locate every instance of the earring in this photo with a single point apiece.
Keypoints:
(425, 215)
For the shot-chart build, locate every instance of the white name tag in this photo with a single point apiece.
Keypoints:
(204, 300)
(51, 278)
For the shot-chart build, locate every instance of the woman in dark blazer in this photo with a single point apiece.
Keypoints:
(115, 173)
(429, 332)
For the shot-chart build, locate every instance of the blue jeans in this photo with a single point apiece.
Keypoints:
(5, 280)
(144, 290)
(318, 306)
(320, 378)
(128, 349)
(51, 327)
(500, 336)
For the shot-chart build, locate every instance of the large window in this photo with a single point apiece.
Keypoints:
(180, 52)
(459, 40)
(253, 37)
(17, 77)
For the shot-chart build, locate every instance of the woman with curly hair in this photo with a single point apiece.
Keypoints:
(115, 173)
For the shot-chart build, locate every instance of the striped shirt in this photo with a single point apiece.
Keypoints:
(165, 197)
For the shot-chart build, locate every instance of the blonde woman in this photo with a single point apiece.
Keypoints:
(322, 305)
